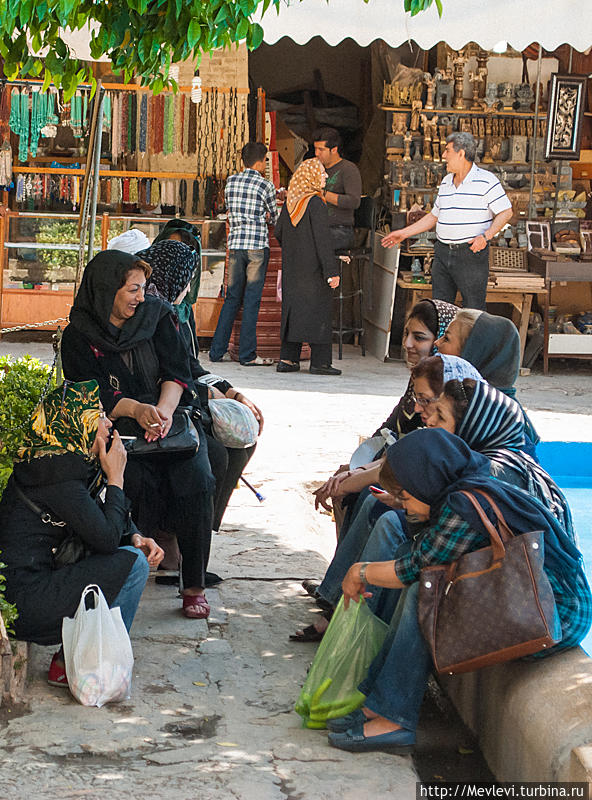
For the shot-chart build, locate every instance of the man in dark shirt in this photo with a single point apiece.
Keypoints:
(343, 188)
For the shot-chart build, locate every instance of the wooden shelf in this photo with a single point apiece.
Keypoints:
(407, 109)
(133, 87)
(110, 173)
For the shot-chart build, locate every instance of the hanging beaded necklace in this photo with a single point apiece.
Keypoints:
(143, 122)
(76, 115)
(19, 121)
(169, 124)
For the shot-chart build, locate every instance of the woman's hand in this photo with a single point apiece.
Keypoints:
(240, 398)
(330, 489)
(151, 550)
(114, 460)
(388, 499)
(333, 282)
(353, 587)
(152, 420)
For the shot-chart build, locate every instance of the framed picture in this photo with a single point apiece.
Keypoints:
(538, 235)
(564, 117)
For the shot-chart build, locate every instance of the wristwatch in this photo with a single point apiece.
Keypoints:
(364, 566)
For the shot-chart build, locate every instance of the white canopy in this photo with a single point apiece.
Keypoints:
(487, 22)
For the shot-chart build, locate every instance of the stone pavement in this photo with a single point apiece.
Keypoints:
(211, 707)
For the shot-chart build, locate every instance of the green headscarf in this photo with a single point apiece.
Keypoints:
(66, 421)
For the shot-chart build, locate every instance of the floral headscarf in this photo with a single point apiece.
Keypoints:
(172, 265)
(306, 182)
(66, 421)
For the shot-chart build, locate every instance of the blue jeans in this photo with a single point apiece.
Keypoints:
(398, 676)
(129, 595)
(246, 276)
(458, 268)
(363, 542)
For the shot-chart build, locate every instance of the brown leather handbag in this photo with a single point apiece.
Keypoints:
(489, 606)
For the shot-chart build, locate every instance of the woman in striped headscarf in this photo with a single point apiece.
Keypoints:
(493, 424)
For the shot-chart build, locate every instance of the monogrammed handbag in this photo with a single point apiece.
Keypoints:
(489, 606)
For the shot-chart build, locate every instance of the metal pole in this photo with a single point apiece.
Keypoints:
(531, 206)
(95, 185)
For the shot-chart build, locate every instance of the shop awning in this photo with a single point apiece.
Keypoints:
(487, 22)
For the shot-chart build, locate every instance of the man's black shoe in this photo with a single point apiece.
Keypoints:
(324, 371)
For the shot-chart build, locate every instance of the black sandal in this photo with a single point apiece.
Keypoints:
(310, 587)
(308, 634)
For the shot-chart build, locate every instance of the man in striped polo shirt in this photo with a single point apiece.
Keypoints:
(470, 209)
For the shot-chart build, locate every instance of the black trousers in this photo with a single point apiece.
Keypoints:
(320, 354)
(176, 496)
(227, 464)
(459, 269)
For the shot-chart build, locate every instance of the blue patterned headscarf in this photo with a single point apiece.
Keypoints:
(457, 369)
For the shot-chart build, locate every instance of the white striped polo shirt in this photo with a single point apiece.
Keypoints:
(466, 210)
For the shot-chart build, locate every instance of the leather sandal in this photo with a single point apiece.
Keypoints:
(195, 606)
(308, 634)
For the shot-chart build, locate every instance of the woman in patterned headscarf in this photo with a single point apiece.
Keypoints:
(68, 434)
(309, 272)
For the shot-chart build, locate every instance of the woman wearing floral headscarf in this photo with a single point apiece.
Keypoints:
(68, 435)
(309, 272)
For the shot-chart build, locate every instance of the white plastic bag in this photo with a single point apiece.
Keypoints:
(97, 652)
(233, 423)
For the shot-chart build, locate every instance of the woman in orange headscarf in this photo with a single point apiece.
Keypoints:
(309, 272)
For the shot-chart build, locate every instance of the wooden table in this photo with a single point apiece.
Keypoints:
(519, 299)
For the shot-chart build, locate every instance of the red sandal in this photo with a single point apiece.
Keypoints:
(57, 671)
(195, 606)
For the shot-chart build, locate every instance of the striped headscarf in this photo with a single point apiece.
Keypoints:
(306, 182)
(493, 425)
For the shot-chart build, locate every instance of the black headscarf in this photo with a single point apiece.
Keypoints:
(433, 466)
(172, 265)
(103, 277)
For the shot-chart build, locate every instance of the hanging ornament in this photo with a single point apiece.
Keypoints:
(174, 73)
(49, 129)
(76, 115)
(5, 166)
(196, 91)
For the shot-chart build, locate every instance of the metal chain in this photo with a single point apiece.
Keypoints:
(30, 325)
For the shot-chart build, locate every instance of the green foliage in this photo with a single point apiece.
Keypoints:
(7, 610)
(415, 6)
(21, 384)
(64, 232)
(141, 37)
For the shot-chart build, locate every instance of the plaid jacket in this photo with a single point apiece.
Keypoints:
(249, 196)
(450, 537)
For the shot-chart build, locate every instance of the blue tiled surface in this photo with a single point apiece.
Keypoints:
(570, 464)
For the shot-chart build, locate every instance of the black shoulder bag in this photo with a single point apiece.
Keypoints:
(71, 549)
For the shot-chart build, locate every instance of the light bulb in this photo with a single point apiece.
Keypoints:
(196, 90)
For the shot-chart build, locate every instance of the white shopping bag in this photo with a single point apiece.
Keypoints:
(97, 652)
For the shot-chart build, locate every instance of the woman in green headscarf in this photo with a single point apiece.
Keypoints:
(47, 499)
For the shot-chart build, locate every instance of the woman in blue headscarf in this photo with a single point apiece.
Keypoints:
(430, 468)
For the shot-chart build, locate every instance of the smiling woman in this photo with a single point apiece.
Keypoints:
(129, 343)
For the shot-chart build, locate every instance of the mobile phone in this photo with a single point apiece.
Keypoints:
(377, 490)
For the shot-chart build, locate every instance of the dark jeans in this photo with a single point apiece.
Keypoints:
(246, 276)
(321, 355)
(227, 465)
(398, 676)
(457, 268)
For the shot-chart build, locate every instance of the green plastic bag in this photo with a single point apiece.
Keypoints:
(350, 644)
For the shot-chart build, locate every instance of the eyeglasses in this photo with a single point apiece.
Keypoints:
(424, 402)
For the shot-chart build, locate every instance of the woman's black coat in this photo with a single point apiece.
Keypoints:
(43, 595)
(308, 260)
